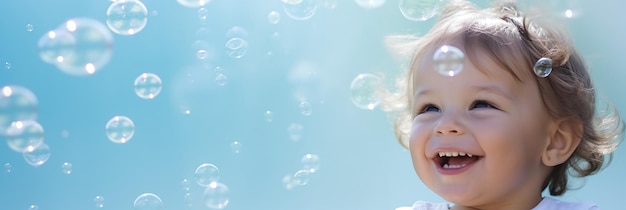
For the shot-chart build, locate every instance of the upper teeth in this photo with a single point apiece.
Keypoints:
(453, 154)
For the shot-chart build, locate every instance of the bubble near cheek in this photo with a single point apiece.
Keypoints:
(448, 60)
(543, 67)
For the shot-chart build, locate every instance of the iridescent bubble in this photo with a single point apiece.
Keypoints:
(236, 47)
(305, 108)
(301, 177)
(273, 17)
(207, 173)
(419, 10)
(448, 60)
(16, 104)
(29, 27)
(193, 3)
(303, 10)
(91, 50)
(203, 14)
(8, 167)
(370, 4)
(24, 136)
(120, 129)
(367, 91)
(269, 116)
(236, 147)
(295, 131)
(543, 67)
(127, 17)
(148, 201)
(33, 207)
(55, 45)
(221, 79)
(292, 1)
(148, 85)
(310, 162)
(66, 168)
(38, 156)
(216, 195)
(99, 201)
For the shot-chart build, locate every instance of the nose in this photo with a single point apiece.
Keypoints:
(449, 125)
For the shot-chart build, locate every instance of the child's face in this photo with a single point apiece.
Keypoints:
(487, 113)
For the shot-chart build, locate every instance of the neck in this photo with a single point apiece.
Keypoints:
(508, 206)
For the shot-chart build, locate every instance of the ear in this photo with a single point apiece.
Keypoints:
(562, 142)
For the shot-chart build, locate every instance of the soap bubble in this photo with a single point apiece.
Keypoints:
(301, 177)
(216, 195)
(55, 45)
(91, 50)
(269, 116)
(207, 173)
(236, 47)
(310, 162)
(305, 108)
(448, 60)
(370, 4)
(193, 3)
(29, 27)
(120, 129)
(127, 17)
(273, 17)
(292, 1)
(16, 104)
(99, 201)
(295, 131)
(33, 207)
(236, 147)
(303, 10)
(8, 167)
(24, 136)
(148, 201)
(66, 168)
(221, 79)
(148, 85)
(38, 156)
(367, 91)
(203, 14)
(543, 67)
(419, 10)
(236, 32)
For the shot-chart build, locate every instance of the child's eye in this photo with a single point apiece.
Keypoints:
(482, 104)
(429, 108)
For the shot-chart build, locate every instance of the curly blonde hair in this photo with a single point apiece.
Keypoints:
(516, 41)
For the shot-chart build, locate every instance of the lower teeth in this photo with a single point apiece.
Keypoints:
(453, 166)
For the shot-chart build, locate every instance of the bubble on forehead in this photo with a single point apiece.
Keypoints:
(448, 60)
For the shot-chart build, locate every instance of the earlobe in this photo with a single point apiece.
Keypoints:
(562, 142)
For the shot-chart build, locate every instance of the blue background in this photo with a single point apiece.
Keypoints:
(362, 165)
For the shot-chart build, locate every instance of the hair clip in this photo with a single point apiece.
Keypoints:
(543, 67)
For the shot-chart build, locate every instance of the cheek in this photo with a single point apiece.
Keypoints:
(418, 139)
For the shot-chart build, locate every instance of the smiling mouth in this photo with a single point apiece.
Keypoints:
(454, 160)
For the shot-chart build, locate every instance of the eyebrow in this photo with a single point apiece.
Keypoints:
(480, 88)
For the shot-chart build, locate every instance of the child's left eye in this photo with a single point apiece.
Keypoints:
(482, 104)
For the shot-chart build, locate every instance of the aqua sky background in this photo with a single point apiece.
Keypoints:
(362, 165)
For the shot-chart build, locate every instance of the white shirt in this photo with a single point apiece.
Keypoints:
(545, 204)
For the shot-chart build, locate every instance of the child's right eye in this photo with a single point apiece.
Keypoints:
(429, 108)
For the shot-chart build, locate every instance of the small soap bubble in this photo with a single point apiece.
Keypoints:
(419, 10)
(25, 136)
(207, 173)
(120, 129)
(288, 181)
(301, 177)
(367, 91)
(221, 79)
(203, 14)
(33, 207)
(99, 201)
(127, 17)
(295, 131)
(185, 184)
(202, 54)
(148, 85)
(193, 3)
(148, 201)
(369, 4)
(236, 47)
(38, 156)
(29, 27)
(66, 168)
(201, 48)
(236, 147)
(292, 1)
(216, 195)
(236, 32)
(310, 162)
(188, 200)
(273, 17)
(302, 10)
(269, 116)
(448, 60)
(16, 104)
(543, 67)
(305, 108)
(8, 167)
(7, 65)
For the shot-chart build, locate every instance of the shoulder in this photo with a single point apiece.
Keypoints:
(423, 205)
(554, 204)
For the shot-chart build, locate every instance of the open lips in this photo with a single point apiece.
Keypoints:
(452, 160)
